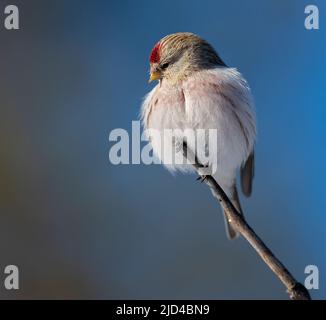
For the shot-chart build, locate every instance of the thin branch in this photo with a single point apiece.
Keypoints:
(295, 289)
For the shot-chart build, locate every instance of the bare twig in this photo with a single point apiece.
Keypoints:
(295, 289)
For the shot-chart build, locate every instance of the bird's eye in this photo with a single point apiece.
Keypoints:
(164, 66)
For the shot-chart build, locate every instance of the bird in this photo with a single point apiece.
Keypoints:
(196, 90)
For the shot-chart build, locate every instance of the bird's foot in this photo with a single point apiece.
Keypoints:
(203, 165)
(201, 178)
(203, 172)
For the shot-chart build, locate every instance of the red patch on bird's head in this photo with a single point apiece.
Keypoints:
(155, 54)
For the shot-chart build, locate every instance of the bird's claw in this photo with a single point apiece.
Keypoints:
(203, 165)
(201, 178)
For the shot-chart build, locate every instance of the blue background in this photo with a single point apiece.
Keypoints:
(79, 227)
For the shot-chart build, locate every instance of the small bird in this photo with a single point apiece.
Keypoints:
(196, 90)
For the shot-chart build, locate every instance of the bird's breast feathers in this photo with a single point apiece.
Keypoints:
(217, 99)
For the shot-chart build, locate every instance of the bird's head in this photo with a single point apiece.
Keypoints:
(177, 55)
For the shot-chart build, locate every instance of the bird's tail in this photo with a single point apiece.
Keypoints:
(231, 233)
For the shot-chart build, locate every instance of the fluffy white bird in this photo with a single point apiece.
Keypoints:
(197, 91)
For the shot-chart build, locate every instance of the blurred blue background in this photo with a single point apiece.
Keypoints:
(79, 227)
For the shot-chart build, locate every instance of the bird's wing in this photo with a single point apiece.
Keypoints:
(220, 99)
(247, 174)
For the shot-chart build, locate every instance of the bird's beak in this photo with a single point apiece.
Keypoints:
(155, 75)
